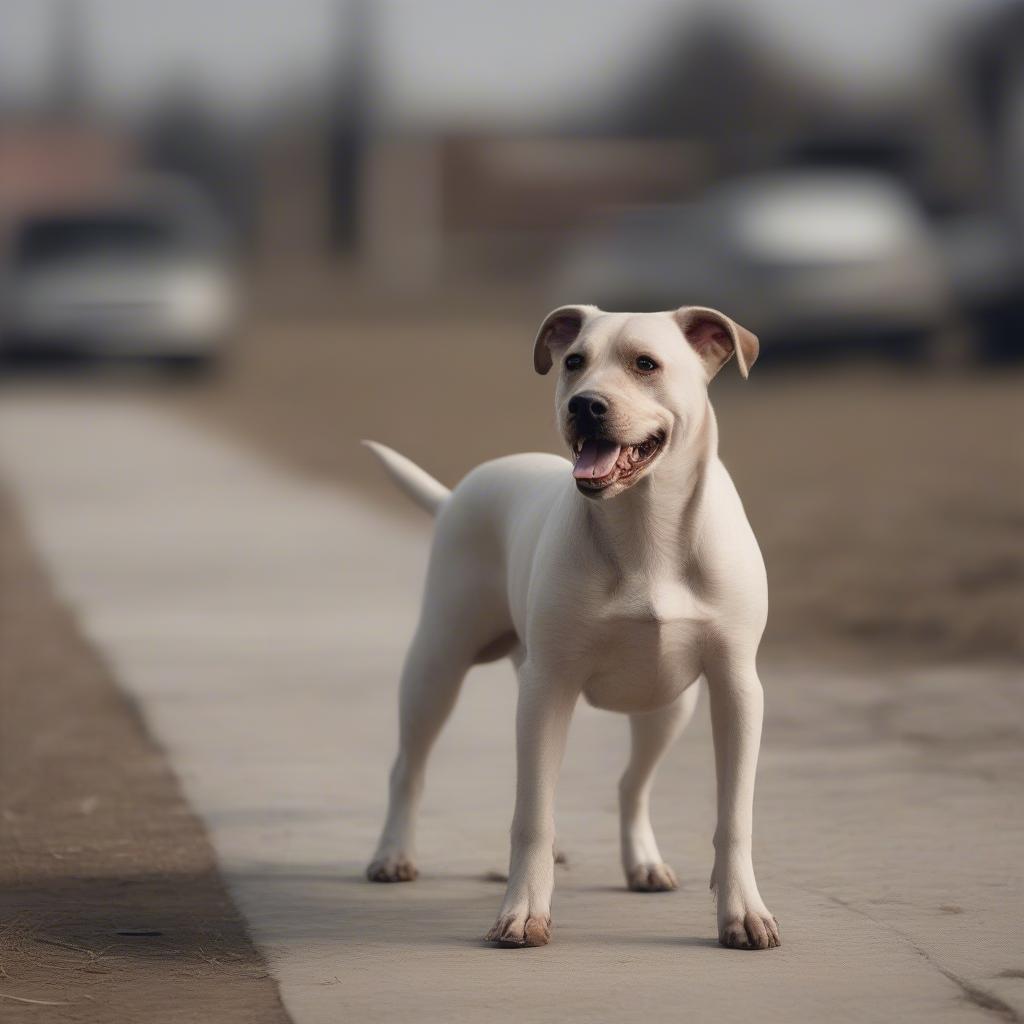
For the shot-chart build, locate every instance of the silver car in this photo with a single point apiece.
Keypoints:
(806, 256)
(146, 276)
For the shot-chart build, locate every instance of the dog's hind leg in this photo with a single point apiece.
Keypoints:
(464, 620)
(434, 669)
(652, 734)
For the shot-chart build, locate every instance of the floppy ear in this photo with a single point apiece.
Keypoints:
(560, 329)
(714, 337)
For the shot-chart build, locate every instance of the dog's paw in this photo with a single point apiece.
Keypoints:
(521, 929)
(752, 931)
(654, 877)
(391, 868)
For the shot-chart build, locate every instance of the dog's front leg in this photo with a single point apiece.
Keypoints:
(737, 708)
(542, 725)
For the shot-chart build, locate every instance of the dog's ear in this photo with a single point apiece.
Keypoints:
(715, 338)
(561, 327)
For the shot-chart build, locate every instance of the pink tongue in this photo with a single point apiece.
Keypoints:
(595, 460)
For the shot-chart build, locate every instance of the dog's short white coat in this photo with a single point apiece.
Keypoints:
(625, 594)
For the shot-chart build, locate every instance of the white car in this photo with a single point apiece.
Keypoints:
(145, 277)
(803, 256)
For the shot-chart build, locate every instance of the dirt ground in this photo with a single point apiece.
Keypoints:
(111, 907)
(889, 501)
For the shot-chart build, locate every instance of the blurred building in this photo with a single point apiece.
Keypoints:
(57, 150)
(320, 172)
(47, 162)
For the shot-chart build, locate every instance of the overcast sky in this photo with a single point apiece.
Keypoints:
(446, 59)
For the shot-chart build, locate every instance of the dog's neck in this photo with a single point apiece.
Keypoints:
(650, 527)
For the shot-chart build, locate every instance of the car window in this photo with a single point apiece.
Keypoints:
(60, 239)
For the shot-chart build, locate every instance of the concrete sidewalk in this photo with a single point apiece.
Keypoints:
(259, 619)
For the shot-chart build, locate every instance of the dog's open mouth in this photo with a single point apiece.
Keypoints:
(598, 463)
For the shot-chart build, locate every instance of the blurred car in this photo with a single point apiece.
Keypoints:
(984, 232)
(802, 256)
(147, 277)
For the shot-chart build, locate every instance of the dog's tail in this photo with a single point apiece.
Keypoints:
(418, 484)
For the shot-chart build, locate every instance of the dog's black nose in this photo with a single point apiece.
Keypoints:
(587, 404)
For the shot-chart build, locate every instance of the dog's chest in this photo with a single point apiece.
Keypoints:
(642, 647)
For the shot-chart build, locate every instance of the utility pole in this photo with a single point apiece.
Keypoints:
(69, 85)
(349, 123)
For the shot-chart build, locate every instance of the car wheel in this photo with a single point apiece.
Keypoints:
(1001, 332)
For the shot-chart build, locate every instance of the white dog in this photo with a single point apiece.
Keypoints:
(624, 577)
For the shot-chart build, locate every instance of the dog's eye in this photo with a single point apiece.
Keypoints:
(573, 362)
(645, 364)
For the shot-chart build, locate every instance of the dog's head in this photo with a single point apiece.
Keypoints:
(632, 386)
